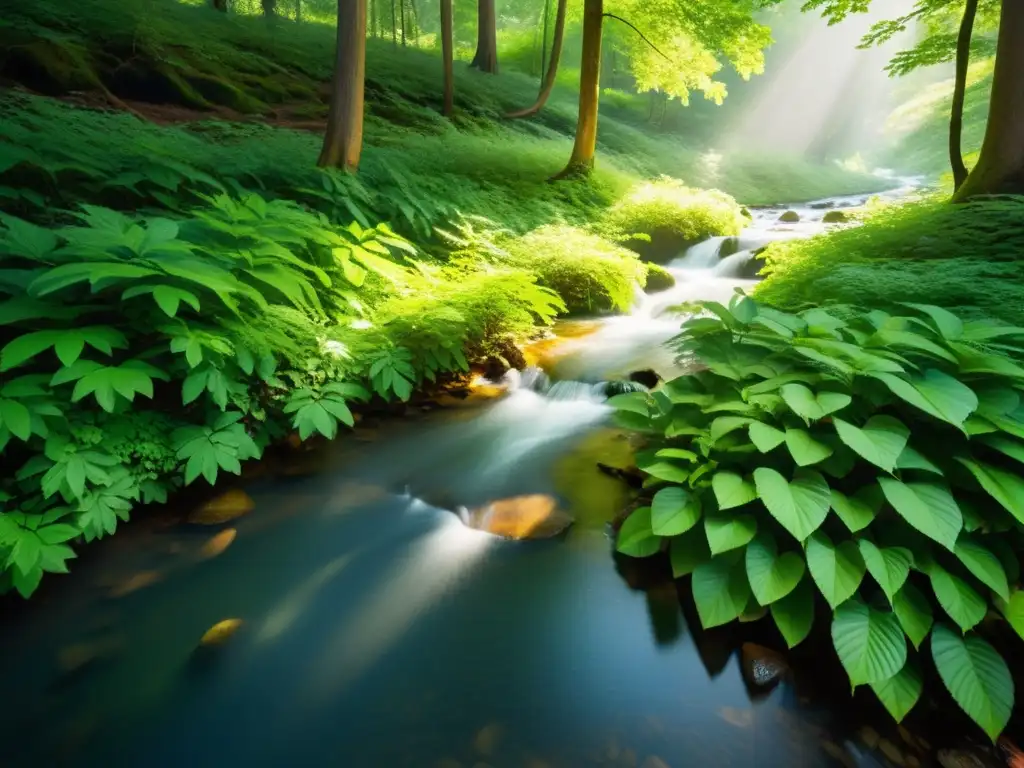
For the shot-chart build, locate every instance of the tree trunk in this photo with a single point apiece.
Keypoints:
(269, 8)
(544, 42)
(1000, 167)
(298, 11)
(343, 142)
(401, 9)
(582, 160)
(552, 72)
(956, 118)
(486, 58)
(220, 5)
(447, 52)
(415, 22)
(394, 23)
(373, 18)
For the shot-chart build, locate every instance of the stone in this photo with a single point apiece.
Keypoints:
(220, 509)
(741, 718)
(789, 217)
(220, 632)
(891, 752)
(658, 279)
(648, 377)
(836, 217)
(535, 516)
(822, 205)
(218, 543)
(868, 737)
(762, 667)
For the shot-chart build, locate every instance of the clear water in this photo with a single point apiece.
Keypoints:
(380, 631)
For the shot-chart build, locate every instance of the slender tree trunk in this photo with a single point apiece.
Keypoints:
(1000, 167)
(416, 22)
(220, 5)
(544, 43)
(298, 11)
(552, 72)
(269, 8)
(401, 9)
(343, 142)
(373, 18)
(394, 22)
(956, 118)
(582, 159)
(486, 58)
(448, 54)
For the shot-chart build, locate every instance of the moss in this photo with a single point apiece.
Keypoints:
(658, 279)
(47, 66)
(672, 217)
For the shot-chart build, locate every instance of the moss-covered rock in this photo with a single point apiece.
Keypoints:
(670, 217)
(836, 217)
(658, 279)
(789, 217)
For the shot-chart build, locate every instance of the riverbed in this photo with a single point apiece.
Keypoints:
(378, 630)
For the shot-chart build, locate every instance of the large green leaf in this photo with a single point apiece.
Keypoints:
(963, 605)
(900, 692)
(1012, 448)
(723, 425)
(794, 614)
(810, 406)
(855, 511)
(914, 613)
(772, 576)
(928, 507)
(1013, 610)
(636, 537)
(870, 643)
(976, 676)
(688, 551)
(935, 393)
(838, 571)
(726, 532)
(913, 459)
(805, 449)
(674, 510)
(983, 565)
(732, 490)
(764, 437)
(881, 440)
(720, 590)
(948, 325)
(889, 566)
(1004, 487)
(800, 506)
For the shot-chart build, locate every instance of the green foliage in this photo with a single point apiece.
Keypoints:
(962, 257)
(658, 279)
(906, 426)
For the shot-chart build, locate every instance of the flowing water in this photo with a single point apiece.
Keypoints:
(378, 630)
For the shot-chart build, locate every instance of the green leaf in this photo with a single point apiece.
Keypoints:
(633, 402)
(976, 676)
(838, 571)
(723, 425)
(935, 393)
(900, 692)
(636, 536)
(928, 507)
(720, 590)
(677, 453)
(688, 551)
(674, 511)
(732, 490)
(772, 576)
(794, 614)
(914, 613)
(950, 326)
(1012, 448)
(912, 459)
(1004, 487)
(881, 440)
(963, 605)
(16, 418)
(810, 407)
(855, 511)
(889, 566)
(801, 505)
(667, 471)
(764, 437)
(805, 449)
(726, 532)
(870, 643)
(1013, 610)
(983, 565)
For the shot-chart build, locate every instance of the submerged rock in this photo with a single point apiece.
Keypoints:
(220, 509)
(762, 667)
(521, 517)
(836, 217)
(648, 377)
(789, 217)
(658, 279)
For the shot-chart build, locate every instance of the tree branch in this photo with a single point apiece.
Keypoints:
(642, 36)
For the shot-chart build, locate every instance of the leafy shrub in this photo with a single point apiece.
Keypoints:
(964, 257)
(658, 279)
(809, 452)
(673, 216)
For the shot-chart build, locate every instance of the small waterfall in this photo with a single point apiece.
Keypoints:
(531, 379)
(703, 255)
(732, 266)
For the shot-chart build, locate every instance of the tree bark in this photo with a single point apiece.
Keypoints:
(269, 8)
(582, 160)
(552, 71)
(544, 42)
(1000, 166)
(394, 22)
(486, 58)
(298, 11)
(401, 9)
(415, 22)
(343, 142)
(373, 18)
(447, 52)
(956, 118)
(220, 5)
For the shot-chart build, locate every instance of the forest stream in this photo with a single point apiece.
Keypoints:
(379, 630)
